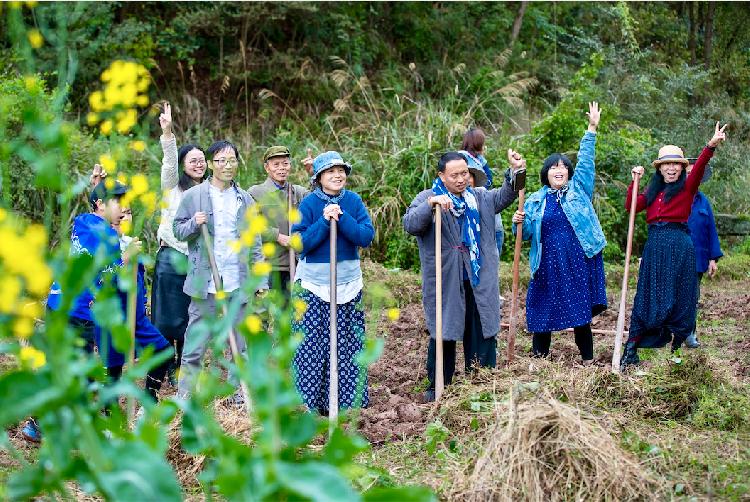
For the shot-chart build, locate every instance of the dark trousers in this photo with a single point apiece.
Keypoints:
(477, 349)
(169, 304)
(154, 378)
(540, 342)
(85, 330)
(280, 280)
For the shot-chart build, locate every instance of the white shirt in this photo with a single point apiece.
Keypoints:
(225, 204)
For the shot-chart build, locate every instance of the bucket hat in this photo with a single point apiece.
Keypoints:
(480, 178)
(327, 160)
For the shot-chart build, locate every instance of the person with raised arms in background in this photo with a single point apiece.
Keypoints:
(470, 267)
(665, 302)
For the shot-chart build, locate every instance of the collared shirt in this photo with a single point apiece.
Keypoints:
(225, 204)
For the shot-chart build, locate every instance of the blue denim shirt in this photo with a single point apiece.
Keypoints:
(576, 204)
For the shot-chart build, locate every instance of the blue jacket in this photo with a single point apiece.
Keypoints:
(576, 205)
(354, 229)
(91, 234)
(703, 232)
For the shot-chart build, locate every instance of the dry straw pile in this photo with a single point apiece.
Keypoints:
(545, 450)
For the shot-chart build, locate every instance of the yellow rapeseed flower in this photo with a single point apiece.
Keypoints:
(295, 242)
(122, 178)
(261, 268)
(254, 324)
(139, 184)
(10, 289)
(106, 127)
(96, 101)
(31, 82)
(394, 314)
(32, 358)
(31, 310)
(221, 295)
(258, 224)
(92, 118)
(107, 162)
(126, 227)
(35, 38)
(269, 249)
(235, 246)
(3, 214)
(109, 183)
(31, 4)
(300, 307)
(148, 200)
(138, 145)
(23, 327)
(294, 215)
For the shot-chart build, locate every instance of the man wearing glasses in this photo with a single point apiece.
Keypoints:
(276, 196)
(219, 203)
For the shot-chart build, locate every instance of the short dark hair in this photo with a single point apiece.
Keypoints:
(218, 146)
(449, 157)
(186, 181)
(553, 160)
(473, 141)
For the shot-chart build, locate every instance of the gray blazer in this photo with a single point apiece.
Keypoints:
(197, 199)
(419, 222)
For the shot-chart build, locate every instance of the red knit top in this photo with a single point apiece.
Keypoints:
(678, 208)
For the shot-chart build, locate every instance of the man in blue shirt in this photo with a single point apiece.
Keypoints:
(705, 240)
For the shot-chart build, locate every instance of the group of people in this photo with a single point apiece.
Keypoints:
(567, 271)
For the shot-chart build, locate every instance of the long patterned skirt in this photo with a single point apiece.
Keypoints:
(311, 360)
(665, 302)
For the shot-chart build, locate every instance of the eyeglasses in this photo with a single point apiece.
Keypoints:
(197, 162)
(224, 162)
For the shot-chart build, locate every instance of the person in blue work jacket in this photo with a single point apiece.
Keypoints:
(705, 240)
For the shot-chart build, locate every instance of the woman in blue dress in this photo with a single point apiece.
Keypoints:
(567, 285)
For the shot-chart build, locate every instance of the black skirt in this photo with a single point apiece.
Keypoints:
(169, 304)
(665, 302)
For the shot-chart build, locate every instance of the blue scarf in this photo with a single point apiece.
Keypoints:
(559, 192)
(465, 209)
(329, 199)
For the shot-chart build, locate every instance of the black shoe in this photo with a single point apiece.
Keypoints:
(692, 342)
(429, 396)
(630, 356)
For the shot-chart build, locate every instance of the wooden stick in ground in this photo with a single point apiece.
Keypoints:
(439, 378)
(289, 207)
(132, 298)
(513, 328)
(624, 291)
(333, 393)
(236, 356)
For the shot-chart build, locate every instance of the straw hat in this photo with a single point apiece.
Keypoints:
(670, 153)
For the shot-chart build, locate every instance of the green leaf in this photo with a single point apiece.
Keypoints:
(342, 447)
(138, 473)
(24, 393)
(315, 480)
(402, 494)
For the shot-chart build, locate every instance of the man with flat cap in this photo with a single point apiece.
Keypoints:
(275, 196)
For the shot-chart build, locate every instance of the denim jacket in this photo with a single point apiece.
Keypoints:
(576, 204)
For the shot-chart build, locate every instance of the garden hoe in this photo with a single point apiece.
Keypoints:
(439, 378)
(232, 340)
(519, 185)
(624, 292)
(333, 364)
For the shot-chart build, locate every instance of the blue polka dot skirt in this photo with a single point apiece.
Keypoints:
(311, 360)
(667, 294)
(568, 288)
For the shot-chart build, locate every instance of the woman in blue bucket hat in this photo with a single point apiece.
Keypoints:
(331, 200)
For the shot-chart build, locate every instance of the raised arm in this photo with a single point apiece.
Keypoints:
(169, 168)
(583, 177)
(696, 175)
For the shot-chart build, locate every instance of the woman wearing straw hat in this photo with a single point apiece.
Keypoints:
(330, 200)
(665, 301)
(567, 286)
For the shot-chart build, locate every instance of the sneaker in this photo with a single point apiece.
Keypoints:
(429, 396)
(30, 431)
(692, 342)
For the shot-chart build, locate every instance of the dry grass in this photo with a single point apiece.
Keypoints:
(543, 449)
